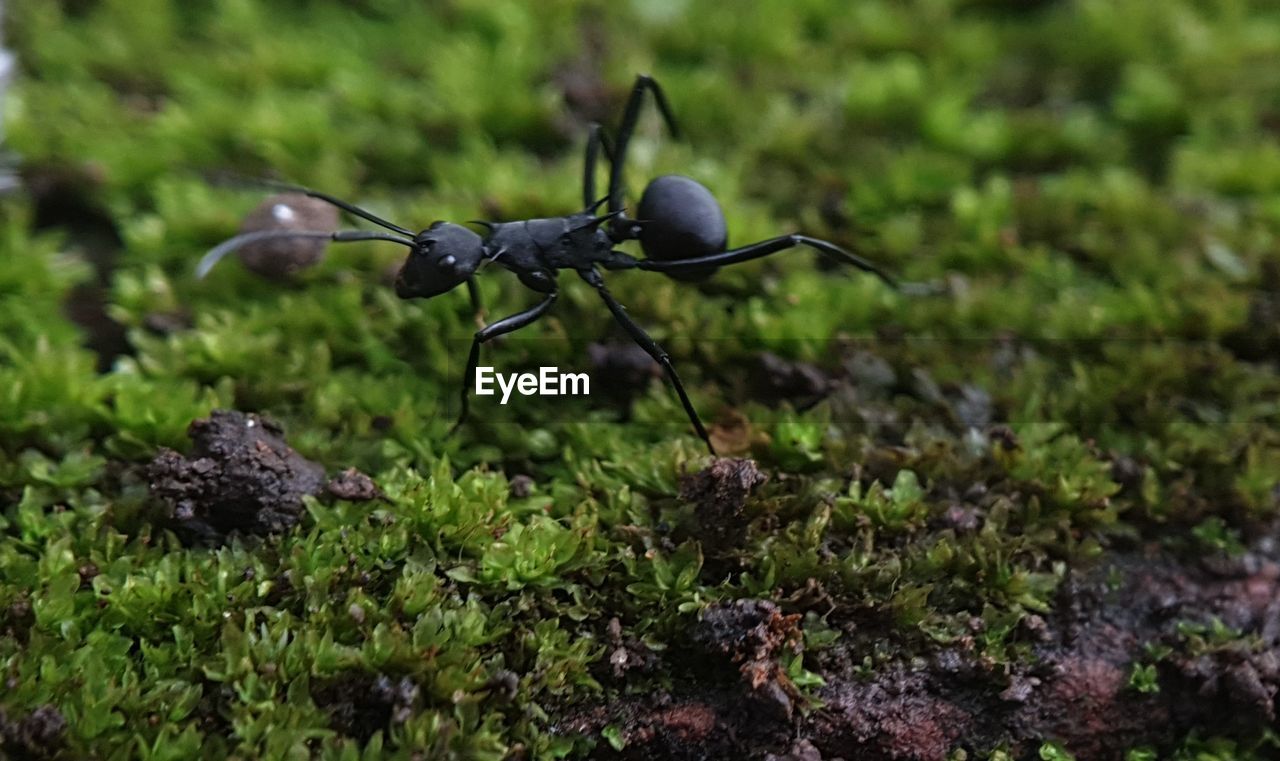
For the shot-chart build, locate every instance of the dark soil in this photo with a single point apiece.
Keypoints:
(1212, 631)
(774, 378)
(359, 703)
(241, 477)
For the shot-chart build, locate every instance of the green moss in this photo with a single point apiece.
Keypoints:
(1101, 180)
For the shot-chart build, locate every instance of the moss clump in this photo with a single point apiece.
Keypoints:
(1094, 187)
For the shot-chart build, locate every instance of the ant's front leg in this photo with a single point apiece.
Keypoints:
(651, 347)
(501, 327)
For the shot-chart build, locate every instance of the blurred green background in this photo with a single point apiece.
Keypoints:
(1094, 184)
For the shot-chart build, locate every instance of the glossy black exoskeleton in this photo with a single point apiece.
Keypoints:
(679, 225)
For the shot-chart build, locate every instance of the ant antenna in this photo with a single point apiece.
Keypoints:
(286, 187)
(341, 236)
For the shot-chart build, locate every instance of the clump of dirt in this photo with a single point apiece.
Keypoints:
(754, 634)
(720, 493)
(353, 486)
(360, 703)
(38, 735)
(241, 477)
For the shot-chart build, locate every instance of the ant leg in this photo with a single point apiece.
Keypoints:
(764, 248)
(651, 347)
(501, 327)
(596, 140)
(629, 118)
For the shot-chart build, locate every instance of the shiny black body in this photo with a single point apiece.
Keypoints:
(679, 225)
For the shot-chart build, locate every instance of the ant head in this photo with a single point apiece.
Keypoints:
(443, 257)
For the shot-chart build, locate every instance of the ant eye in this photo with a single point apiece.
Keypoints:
(447, 262)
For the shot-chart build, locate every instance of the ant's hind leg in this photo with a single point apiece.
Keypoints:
(501, 327)
(629, 119)
(597, 139)
(652, 348)
(761, 249)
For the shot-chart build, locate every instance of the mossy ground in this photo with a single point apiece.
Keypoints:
(1095, 183)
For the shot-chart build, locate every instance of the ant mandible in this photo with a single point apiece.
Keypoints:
(680, 227)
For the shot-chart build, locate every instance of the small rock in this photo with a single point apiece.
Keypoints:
(1128, 472)
(1020, 688)
(521, 486)
(974, 408)
(354, 486)
(962, 518)
(284, 257)
(869, 371)
(629, 653)
(40, 735)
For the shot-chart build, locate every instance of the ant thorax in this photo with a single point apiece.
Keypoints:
(551, 243)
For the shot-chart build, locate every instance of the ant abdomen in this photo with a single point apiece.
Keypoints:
(680, 219)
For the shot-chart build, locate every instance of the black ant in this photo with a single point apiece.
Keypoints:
(680, 228)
